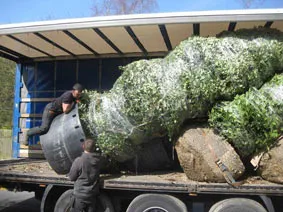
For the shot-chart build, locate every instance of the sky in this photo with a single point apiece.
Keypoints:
(16, 11)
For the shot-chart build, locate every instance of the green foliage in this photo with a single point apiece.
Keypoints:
(154, 97)
(140, 84)
(252, 122)
(7, 73)
(101, 119)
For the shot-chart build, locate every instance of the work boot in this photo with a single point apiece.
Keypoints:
(25, 138)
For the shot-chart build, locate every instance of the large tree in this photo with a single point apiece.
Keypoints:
(7, 73)
(117, 7)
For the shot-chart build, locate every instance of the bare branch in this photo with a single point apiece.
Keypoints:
(251, 3)
(115, 7)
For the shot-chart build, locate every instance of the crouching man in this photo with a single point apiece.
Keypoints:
(85, 172)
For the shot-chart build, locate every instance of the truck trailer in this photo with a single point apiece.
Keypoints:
(53, 55)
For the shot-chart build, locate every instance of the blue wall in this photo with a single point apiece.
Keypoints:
(50, 79)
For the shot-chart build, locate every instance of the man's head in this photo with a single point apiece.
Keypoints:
(77, 90)
(89, 145)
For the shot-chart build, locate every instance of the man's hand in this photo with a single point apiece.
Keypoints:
(67, 107)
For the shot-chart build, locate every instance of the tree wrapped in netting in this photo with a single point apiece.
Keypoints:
(253, 121)
(153, 97)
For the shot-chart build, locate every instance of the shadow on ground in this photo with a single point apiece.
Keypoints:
(29, 205)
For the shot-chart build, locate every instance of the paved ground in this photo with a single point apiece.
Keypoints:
(18, 202)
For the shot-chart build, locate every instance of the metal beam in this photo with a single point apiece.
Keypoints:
(107, 40)
(268, 24)
(165, 36)
(71, 35)
(112, 55)
(196, 29)
(9, 57)
(232, 26)
(53, 43)
(37, 99)
(16, 111)
(30, 115)
(21, 56)
(137, 41)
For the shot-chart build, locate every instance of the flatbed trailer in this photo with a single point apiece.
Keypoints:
(36, 175)
(38, 171)
(52, 55)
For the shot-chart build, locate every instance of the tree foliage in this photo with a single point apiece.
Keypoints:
(154, 97)
(120, 7)
(251, 122)
(7, 73)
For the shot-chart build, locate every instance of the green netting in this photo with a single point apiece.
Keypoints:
(253, 121)
(154, 97)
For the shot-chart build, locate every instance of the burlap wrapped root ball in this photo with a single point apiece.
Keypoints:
(154, 97)
(270, 166)
(199, 147)
(252, 122)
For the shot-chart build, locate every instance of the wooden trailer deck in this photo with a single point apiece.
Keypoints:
(35, 171)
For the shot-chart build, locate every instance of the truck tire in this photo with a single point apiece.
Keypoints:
(63, 204)
(237, 204)
(104, 204)
(156, 203)
(50, 196)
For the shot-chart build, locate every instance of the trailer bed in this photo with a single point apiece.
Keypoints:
(35, 171)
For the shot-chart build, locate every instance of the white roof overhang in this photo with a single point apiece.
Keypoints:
(124, 35)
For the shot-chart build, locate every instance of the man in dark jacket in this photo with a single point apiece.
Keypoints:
(62, 104)
(85, 172)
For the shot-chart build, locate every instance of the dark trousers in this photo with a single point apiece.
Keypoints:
(79, 205)
(47, 119)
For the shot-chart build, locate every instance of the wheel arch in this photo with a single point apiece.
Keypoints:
(50, 196)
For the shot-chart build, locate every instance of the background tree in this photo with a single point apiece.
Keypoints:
(7, 73)
(251, 3)
(117, 7)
